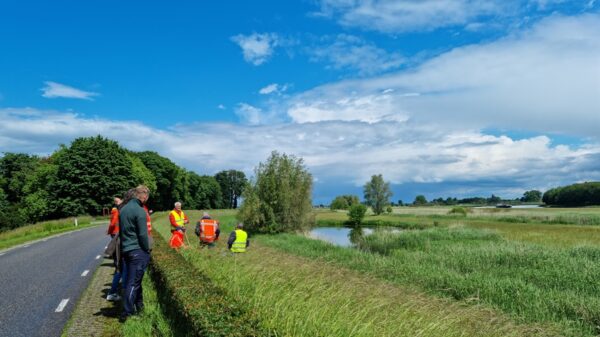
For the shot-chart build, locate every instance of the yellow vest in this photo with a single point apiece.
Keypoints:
(179, 219)
(239, 245)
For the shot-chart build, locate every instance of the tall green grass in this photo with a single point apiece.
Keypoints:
(532, 283)
(298, 297)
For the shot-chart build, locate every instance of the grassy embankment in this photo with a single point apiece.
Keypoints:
(41, 230)
(303, 287)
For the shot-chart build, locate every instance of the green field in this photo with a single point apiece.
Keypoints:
(486, 274)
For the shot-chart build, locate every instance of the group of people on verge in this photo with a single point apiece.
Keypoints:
(130, 229)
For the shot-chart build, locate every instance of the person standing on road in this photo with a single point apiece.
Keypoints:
(238, 240)
(207, 230)
(178, 221)
(135, 249)
(120, 271)
(113, 226)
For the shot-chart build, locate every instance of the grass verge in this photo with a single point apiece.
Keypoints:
(41, 230)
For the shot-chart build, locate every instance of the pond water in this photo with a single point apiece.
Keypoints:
(344, 236)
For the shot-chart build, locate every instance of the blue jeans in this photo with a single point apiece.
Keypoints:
(119, 276)
(136, 262)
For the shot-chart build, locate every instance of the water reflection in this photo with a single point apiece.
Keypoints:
(344, 236)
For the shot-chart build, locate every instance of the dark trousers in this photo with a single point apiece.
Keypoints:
(136, 262)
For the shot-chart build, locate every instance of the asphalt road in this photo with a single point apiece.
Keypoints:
(35, 279)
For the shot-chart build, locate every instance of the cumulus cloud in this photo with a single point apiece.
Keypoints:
(257, 48)
(399, 16)
(348, 52)
(56, 90)
(273, 88)
(545, 79)
(344, 153)
(394, 16)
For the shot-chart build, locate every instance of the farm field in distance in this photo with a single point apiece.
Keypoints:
(514, 272)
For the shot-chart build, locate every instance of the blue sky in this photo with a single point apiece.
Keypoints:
(443, 97)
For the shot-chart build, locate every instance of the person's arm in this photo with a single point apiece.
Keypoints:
(172, 220)
(231, 240)
(185, 219)
(217, 232)
(198, 228)
(142, 230)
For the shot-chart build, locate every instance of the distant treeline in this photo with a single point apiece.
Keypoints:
(84, 177)
(584, 194)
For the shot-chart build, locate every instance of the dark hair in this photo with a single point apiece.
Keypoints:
(127, 196)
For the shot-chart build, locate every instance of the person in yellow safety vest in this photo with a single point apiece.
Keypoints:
(238, 240)
(207, 230)
(178, 221)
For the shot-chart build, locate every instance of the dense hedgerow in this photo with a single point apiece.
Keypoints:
(194, 303)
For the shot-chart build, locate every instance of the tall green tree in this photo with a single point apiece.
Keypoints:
(89, 173)
(377, 193)
(14, 169)
(170, 180)
(205, 192)
(279, 199)
(420, 200)
(232, 184)
(344, 202)
(532, 196)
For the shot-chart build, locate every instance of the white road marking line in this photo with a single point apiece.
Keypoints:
(62, 305)
(97, 257)
(85, 272)
(2, 254)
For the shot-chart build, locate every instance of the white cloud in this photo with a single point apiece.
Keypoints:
(545, 79)
(249, 114)
(221, 107)
(353, 53)
(257, 48)
(338, 152)
(273, 88)
(410, 15)
(399, 16)
(56, 90)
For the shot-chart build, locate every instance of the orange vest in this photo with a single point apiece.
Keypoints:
(148, 220)
(113, 227)
(208, 229)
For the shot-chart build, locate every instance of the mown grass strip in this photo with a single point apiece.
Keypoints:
(41, 230)
(195, 305)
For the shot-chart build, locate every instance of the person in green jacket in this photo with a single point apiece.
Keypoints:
(135, 249)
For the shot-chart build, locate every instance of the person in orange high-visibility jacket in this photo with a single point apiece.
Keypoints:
(149, 225)
(178, 221)
(113, 226)
(207, 230)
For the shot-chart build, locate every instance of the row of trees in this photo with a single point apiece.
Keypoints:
(583, 194)
(83, 178)
(377, 194)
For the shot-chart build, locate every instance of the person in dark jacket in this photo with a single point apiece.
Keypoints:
(135, 249)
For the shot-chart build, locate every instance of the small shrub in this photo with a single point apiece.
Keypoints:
(458, 210)
(356, 214)
(389, 209)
